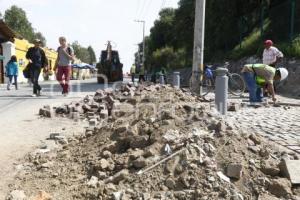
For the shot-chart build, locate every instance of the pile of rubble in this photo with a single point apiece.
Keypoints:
(154, 142)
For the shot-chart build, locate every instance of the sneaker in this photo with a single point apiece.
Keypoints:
(38, 93)
(34, 95)
(65, 94)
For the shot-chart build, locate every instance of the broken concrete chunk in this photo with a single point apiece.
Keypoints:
(291, 170)
(93, 182)
(16, 195)
(234, 171)
(280, 188)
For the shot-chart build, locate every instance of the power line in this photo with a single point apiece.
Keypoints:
(143, 7)
(148, 8)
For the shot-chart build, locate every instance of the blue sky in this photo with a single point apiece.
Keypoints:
(93, 22)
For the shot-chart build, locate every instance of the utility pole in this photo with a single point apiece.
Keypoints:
(198, 46)
(143, 21)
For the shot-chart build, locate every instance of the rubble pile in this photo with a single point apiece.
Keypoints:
(154, 142)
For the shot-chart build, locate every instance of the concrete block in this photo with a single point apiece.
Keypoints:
(291, 169)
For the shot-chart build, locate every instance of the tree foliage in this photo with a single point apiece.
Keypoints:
(92, 55)
(227, 24)
(16, 19)
(86, 55)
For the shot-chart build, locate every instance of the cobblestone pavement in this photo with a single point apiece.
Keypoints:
(279, 124)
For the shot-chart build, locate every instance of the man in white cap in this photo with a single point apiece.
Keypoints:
(258, 75)
(271, 54)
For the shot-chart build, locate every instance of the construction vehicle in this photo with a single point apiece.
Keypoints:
(110, 69)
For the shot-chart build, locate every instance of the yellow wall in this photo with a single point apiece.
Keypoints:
(21, 48)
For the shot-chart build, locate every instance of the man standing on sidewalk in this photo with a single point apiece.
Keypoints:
(132, 72)
(37, 60)
(63, 65)
(271, 54)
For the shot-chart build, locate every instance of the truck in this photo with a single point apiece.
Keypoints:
(109, 69)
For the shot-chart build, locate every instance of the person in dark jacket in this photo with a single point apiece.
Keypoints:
(11, 71)
(37, 60)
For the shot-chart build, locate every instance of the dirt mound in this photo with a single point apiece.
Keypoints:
(152, 142)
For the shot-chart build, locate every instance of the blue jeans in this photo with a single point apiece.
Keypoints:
(253, 88)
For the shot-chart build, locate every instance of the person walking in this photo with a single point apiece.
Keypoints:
(37, 60)
(142, 74)
(132, 72)
(258, 75)
(11, 71)
(271, 54)
(63, 65)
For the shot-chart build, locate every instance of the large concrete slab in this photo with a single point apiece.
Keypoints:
(291, 169)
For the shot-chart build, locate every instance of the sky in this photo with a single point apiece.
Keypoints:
(93, 22)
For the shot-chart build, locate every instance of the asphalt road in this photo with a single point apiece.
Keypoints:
(21, 130)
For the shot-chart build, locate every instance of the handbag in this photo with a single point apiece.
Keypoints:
(26, 71)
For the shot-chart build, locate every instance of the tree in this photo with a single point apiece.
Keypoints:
(39, 35)
(16, 19)
(81, 52)
(92, 55)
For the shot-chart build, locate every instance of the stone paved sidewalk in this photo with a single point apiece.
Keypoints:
(279, 124)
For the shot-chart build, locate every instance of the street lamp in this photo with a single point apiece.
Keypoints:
(143, 21)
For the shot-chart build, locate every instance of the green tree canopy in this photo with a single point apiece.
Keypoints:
(16, 19)
(81, 52)
(40, 36)
(92, 55)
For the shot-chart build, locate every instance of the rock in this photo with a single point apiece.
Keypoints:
(42, 195)
(291, 170)
(254, 149)
(267, 197)
(280, 187)
(270, 169)
(139, 142)
(16, 195)
(136, 154)
(223, 177)
(139, 163)
(170, 183)
(45, 112)
(255, 139)
(106, 154)
(103, 114)
(92, 122)
(220, 127)
(233, 107)
(120, 176)
(103, 164)
(234, 171)
(93, 182)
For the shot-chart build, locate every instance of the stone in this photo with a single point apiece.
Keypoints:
(291, 170)
(106, 154)
(223, 177)
(132, 101)
(270, 168)
(139, 163)
(45, 112)
(93, 182)
(136, 154)
(234, 171)
(92, 122)
(16, 195)
(170, 183)
(120, 176)
(103, 114)
(42, 195)
(255, 139)
(233, 107)
(281, 187)
(103, 164)
(86, 108)
(267, 197)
